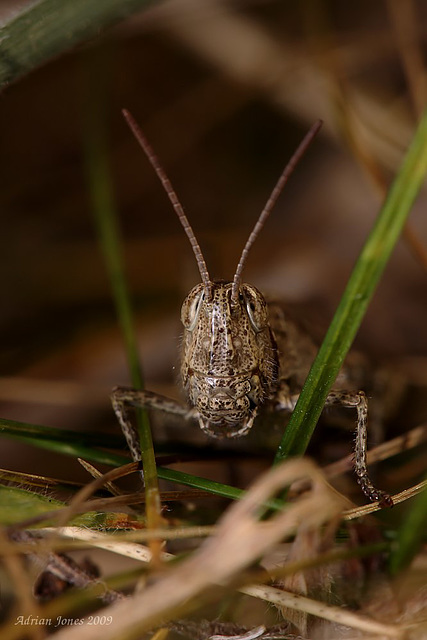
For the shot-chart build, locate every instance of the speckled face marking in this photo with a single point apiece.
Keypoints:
(229, 361)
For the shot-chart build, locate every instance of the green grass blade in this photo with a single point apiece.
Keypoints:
(50, 27)
(63, 442)
(411, 534)
(110, 239)
(18, 504)
(75, 450)
(109, 236)
(84, 438)
(357, 296)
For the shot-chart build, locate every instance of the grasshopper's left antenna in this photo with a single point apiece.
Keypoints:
(302, 148)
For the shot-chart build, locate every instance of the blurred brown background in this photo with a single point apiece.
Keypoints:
(224, 91)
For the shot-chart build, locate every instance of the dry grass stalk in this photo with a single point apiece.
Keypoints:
(241, 538)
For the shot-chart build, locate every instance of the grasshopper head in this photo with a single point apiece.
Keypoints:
(229, 359)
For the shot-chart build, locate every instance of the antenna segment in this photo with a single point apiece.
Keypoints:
(171, 193)
(302, 148)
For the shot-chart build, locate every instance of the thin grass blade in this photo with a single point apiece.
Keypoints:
(105, 214)
(48, 28)
(357, 295)
(411, 534)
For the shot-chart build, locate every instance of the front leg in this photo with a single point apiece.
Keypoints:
(352, 399)
(357, 399)
(122, 398)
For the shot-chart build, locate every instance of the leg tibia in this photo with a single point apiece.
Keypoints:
(122, 398)
(357, 399)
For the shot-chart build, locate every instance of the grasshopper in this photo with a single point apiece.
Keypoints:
(239, 354)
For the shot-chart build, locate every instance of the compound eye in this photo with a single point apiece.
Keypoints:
(251, 309)
(190, 310)
(255, 308)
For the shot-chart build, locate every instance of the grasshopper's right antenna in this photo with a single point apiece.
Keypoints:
(171, 193)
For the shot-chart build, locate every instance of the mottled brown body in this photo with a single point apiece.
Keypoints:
(238, 354)
(238, 359)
